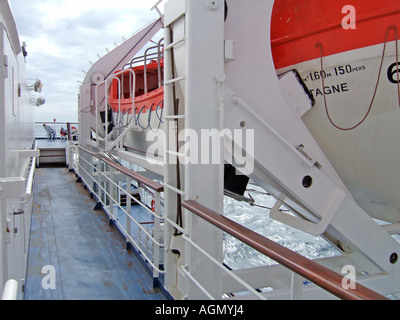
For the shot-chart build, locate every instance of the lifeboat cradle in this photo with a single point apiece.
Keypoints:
(214, 69)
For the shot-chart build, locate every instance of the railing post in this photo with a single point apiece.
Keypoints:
(296, 288)
(67, 153)
(75, 159)
(100, 192)
(10, 291)
(70, 151)
(128, 208)
(107, 193)
(69, 131)
(112, 192)
(157, 233)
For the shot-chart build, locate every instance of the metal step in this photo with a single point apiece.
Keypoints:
(52, 151)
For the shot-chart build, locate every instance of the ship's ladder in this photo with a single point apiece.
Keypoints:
(175, 119)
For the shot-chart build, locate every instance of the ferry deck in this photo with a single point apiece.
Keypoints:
(89, 257)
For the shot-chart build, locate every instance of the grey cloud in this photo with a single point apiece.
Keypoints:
(58, 53)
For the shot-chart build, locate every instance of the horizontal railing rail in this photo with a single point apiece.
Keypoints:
(40, 133)
(310, 270)
(147, 182)
(31, 175)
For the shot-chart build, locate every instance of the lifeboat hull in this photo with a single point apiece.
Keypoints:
(147, 97)
(348, 62)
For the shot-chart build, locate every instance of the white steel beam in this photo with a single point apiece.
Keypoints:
(204, 60)
(198, 57)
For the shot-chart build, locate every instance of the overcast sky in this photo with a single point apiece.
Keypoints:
(62, 36)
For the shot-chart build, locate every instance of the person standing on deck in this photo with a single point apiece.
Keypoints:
(51, 133)
(63, 134)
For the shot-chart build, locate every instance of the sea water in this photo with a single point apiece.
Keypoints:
(239, 256)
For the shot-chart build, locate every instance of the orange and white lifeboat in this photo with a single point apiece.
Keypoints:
(148, 95)
(347, 55)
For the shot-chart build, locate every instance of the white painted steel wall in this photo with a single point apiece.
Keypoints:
(16, 137)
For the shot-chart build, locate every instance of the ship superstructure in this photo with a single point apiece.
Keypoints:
(17, 153)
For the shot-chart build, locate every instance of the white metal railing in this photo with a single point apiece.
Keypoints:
(71, 155)
(150, 54)
(103, 178)
(155, 7)
(40, 133)
(29, 182)
(300, 266)
(107, 83)
(218, 264)
(10, 291)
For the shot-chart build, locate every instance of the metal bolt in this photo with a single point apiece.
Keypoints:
(213, 4)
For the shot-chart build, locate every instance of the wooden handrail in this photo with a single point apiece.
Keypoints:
(312, 271)
(130, 173)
